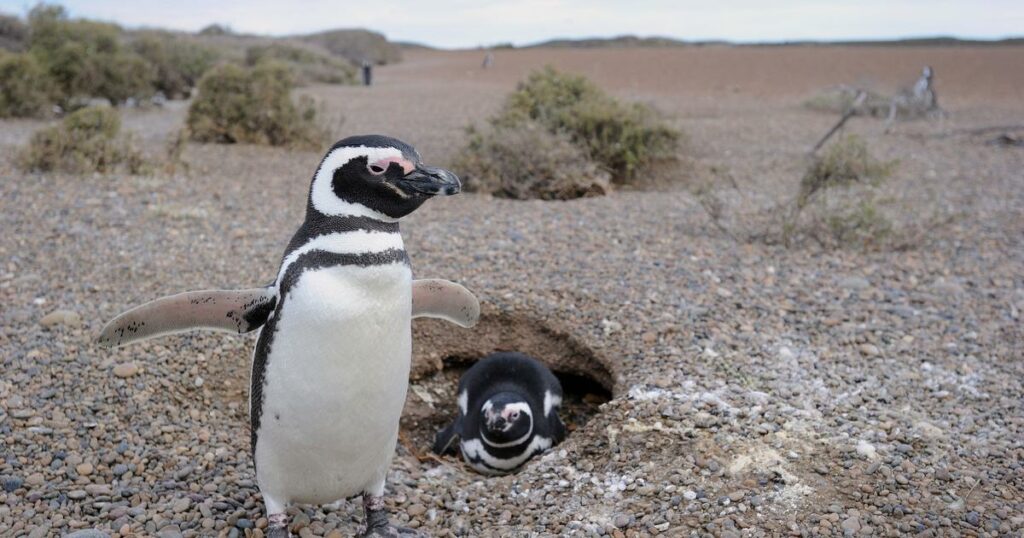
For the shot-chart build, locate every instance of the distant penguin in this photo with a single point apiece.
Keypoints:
(508, 412)
(331, 364)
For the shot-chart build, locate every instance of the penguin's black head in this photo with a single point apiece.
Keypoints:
(508, 420)
(376, 176)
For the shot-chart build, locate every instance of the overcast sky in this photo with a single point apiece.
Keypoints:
(470, 23)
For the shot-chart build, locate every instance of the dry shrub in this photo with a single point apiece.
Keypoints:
(307, 66)
(527, 161)
(836, 202)
(253, 106)
(844, 163)
(357, 46)
(86, 59)
(623, 138)
(22, 82)
(13, 33)
(612, 142)
(88, 140)
(178, 62)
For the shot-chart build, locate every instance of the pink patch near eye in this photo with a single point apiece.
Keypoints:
(383, 165)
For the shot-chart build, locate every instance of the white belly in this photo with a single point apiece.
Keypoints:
(336, 379)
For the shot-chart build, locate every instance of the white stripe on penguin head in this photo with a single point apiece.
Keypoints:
(323, 196)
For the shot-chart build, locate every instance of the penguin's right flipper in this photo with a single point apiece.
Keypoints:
(446, 438)
(435, 298)
(237, 311)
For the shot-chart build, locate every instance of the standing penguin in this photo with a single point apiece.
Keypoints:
(331, 364)
(508, 413)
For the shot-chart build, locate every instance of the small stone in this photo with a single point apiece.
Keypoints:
(170, 531)
(98, 489)
(299, 521)
(869, 350)
(243, 523)
(87, 533)
(35, 479)
(84, 469)
(854, 283)
(181, 505)
(972, 517)
(77, 494)
(12, 483)
(689, 495)
(851, 525)
(416, 510)
(621, 521)
(125, 370)
(61, 317)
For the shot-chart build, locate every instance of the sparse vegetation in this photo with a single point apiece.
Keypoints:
(253, 106)
(87, 140)
(307, 65)
(836, 200)
(621, 139)
(839, 99)
(21, 84)
(528, 161)
(844, 163)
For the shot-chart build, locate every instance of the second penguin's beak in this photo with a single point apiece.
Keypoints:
(430, 181)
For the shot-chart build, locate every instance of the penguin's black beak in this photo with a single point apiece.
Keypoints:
(429, 181)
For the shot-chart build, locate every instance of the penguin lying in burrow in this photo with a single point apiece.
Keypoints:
(331, 365)
(508, 412)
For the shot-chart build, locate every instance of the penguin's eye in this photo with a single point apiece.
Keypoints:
(376, 169)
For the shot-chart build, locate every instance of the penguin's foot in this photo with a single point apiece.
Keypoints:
(278, 526)
(377, 525)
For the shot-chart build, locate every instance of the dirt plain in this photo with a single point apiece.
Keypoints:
(757, 390)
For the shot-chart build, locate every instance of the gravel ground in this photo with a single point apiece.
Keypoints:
(758, 390)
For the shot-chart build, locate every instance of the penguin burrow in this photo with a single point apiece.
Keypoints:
(331, 363)
(508, 412)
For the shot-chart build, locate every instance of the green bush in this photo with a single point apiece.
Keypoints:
(22, 86)
(253, 106)
(307, 66)
(85, 59)
(178, 63)
(624, 138)
(87, 140)
(525, 160)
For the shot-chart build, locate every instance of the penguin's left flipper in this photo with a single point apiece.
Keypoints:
(435, 298)
(446, 437)
(236, 311)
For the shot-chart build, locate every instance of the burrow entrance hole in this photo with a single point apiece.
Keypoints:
(442, 353)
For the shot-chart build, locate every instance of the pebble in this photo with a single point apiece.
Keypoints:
(126, 369)
(84, 469)
(416, 510)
